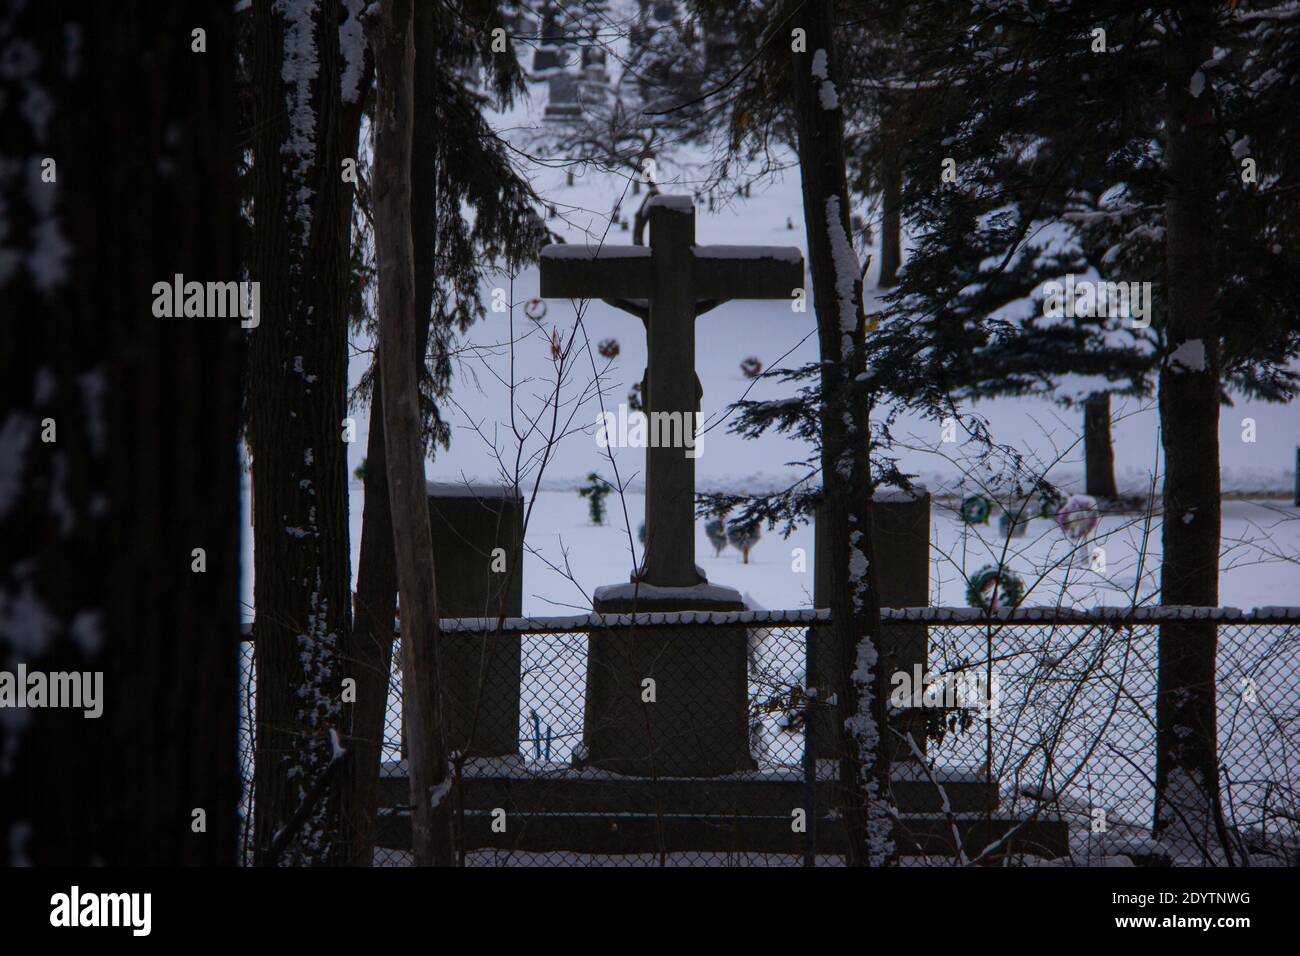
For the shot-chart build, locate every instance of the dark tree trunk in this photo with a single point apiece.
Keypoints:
(1098, 453)
(404, 437)
(296, 405)
(376, 611)
(891, 221)
(846, 498)
(1187, 776)
(363, 659)
(377, 565)
(98, 527)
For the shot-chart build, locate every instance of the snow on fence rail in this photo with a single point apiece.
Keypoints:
(1073, 732)
(929, 615)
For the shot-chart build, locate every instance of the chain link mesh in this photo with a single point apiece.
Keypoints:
(698, 742)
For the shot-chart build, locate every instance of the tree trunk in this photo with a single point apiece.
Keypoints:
(1098, 453)
(296, 406)
(377, 566)
(1187, 776)
(403, 437)
(846, 499)
(100, 518)
(376, 612)
(891, 221)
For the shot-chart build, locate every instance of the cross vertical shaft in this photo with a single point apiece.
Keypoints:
(670, 510)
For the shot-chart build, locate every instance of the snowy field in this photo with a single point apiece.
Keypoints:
(504, 363)
(1261, 558)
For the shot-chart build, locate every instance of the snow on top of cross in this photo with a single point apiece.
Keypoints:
(558, 251)
(677, 203)
(779, 253)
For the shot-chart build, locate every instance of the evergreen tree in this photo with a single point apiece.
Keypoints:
(1108, 139)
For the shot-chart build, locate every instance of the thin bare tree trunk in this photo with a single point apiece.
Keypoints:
(403, 438)
(846, 469)
(377, 566)
(376, 610)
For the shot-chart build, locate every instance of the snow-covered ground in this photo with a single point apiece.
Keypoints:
(1261, 558)
(1261, 553)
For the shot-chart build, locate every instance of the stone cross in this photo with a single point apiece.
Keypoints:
(668, 284)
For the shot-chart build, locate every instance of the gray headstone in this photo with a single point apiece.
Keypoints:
(563, 100)
(480, 672)
(902, 549)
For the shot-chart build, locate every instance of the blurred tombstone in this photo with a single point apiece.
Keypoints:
(562, 101)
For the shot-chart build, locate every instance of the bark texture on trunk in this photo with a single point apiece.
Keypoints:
(403, 436)
(376, 605)
(296, 405)
(846, 474)
(1098, 452)
(1187, 775)
(100, 518)
(891, 222)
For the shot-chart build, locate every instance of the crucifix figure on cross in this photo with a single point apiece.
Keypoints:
(668, 284)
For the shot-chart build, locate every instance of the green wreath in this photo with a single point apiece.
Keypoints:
(1010, 588)
(976, 510)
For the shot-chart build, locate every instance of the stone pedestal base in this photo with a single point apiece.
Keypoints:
(480, 680)
(698, 722)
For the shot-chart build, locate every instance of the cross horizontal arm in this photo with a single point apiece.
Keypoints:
(571, 272)
(747, 272)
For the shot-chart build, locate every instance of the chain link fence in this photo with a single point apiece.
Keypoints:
(702, 739)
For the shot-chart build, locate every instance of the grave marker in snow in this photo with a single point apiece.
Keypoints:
(901, 537)
(697, 723)
(668, 285)
(477, 531)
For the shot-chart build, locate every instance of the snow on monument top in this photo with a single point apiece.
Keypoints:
(680, 204)
(558, 251)
(458, 489)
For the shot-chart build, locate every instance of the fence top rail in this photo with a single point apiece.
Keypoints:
(956, 616)
(927, 615)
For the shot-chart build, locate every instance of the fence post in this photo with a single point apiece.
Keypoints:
(811, 704)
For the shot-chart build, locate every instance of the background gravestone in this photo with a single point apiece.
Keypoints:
(468, 523)
(902, 549)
